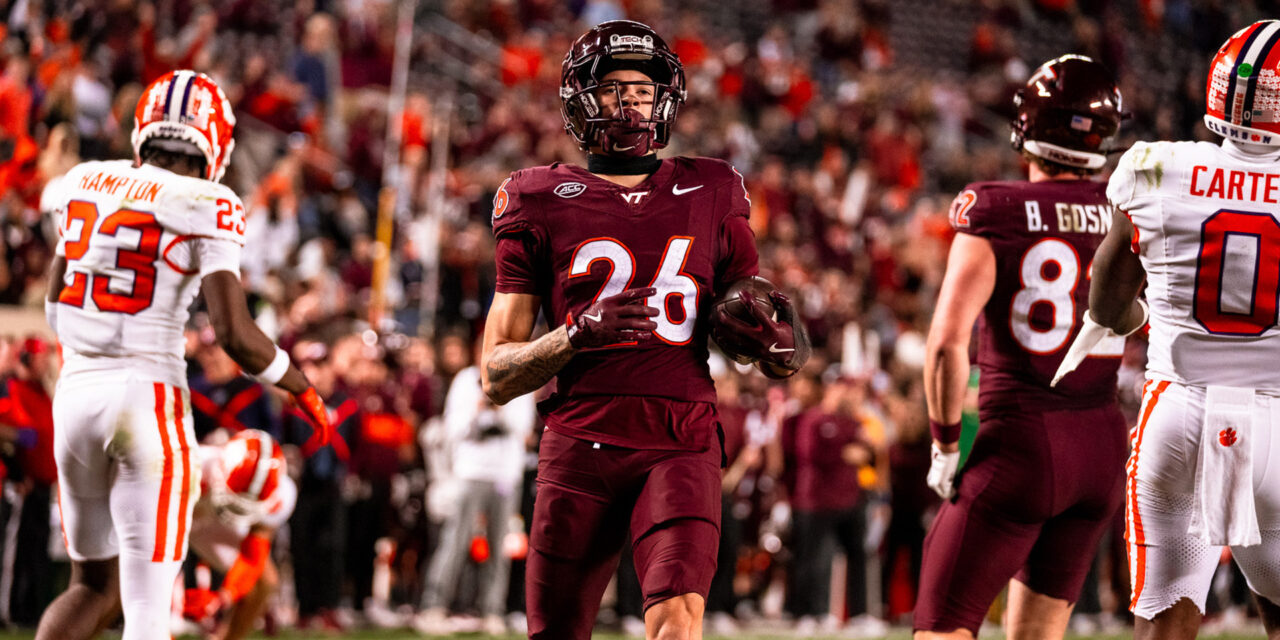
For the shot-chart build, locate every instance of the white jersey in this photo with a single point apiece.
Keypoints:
(216, 539)
(1207, 219)
(137, 241)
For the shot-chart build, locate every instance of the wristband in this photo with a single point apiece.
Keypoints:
(276, 370)
(944, 433)
(1146, 316)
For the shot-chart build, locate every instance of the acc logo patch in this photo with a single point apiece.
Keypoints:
(570, 189)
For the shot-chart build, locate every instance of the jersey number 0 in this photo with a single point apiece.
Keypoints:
(1237, 278)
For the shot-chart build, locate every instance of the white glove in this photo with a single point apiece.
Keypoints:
(942, 472)
(1091, 333)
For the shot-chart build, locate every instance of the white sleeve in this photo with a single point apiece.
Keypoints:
(215, 254)
(53, 203)
(285, 499)
(1120, 187)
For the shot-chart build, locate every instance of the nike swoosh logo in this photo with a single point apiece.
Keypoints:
(773, 348)
(617, 148)
(675, 188)
(596, 318)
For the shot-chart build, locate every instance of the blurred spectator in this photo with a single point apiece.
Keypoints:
(318, 528)
(912, 502)
(824, 448)
(26, 439)
(222, 398)
(488, 444)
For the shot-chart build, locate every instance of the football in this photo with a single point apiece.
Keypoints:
(730, 304)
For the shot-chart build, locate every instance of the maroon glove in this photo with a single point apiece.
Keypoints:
(614, 320)
(782, 342)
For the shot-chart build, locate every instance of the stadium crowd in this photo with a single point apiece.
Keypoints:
(853, 121)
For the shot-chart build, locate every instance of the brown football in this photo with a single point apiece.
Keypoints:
(755, 285)
(730, 304)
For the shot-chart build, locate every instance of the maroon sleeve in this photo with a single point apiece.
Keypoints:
(511, 214)
(966, 212)
(737, 252)
(736, 246)
(516, 258)
(519, 239)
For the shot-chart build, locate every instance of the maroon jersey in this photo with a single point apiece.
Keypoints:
(570, 237)
(1044, 235)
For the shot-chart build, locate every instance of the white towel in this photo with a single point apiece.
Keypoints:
(1224, 510)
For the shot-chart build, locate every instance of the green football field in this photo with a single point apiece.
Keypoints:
(901, 635)
(408, 635)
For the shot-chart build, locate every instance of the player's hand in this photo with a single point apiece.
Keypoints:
(942, 471)
(318, 415)
(201, 605)
(1091, 333)
(614, 320)
(776, 342)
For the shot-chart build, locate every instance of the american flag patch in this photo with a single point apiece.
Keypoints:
(1081, 123)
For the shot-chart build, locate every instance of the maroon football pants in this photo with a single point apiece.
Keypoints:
(1036, 494)
(589, 498)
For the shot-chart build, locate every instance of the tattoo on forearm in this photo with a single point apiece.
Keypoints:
(517, 369)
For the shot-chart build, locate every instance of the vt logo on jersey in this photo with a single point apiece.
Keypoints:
(570, 189)
(634, 197)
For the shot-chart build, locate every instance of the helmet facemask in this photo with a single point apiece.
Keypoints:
(586, 90)
(613, 120)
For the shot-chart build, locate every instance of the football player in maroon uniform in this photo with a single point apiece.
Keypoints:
(1045, 476)
(623, 258)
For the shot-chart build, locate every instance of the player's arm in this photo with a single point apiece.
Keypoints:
(510, 364)
(57, 271)
(239, 336)
(1114, 308)
(970, 279)
(242, 577)
(1117, 278)
(250, 348)
(966, 287)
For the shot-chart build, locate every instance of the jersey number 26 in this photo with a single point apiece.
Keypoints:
(670, 281)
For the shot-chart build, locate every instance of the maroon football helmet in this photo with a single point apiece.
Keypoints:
(608, 47)
(1068, 113)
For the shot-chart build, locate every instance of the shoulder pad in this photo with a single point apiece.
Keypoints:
(513, 210)
(213, 210)
(1143, 170)
(713, 171)
(970, 208)
(717, 174)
